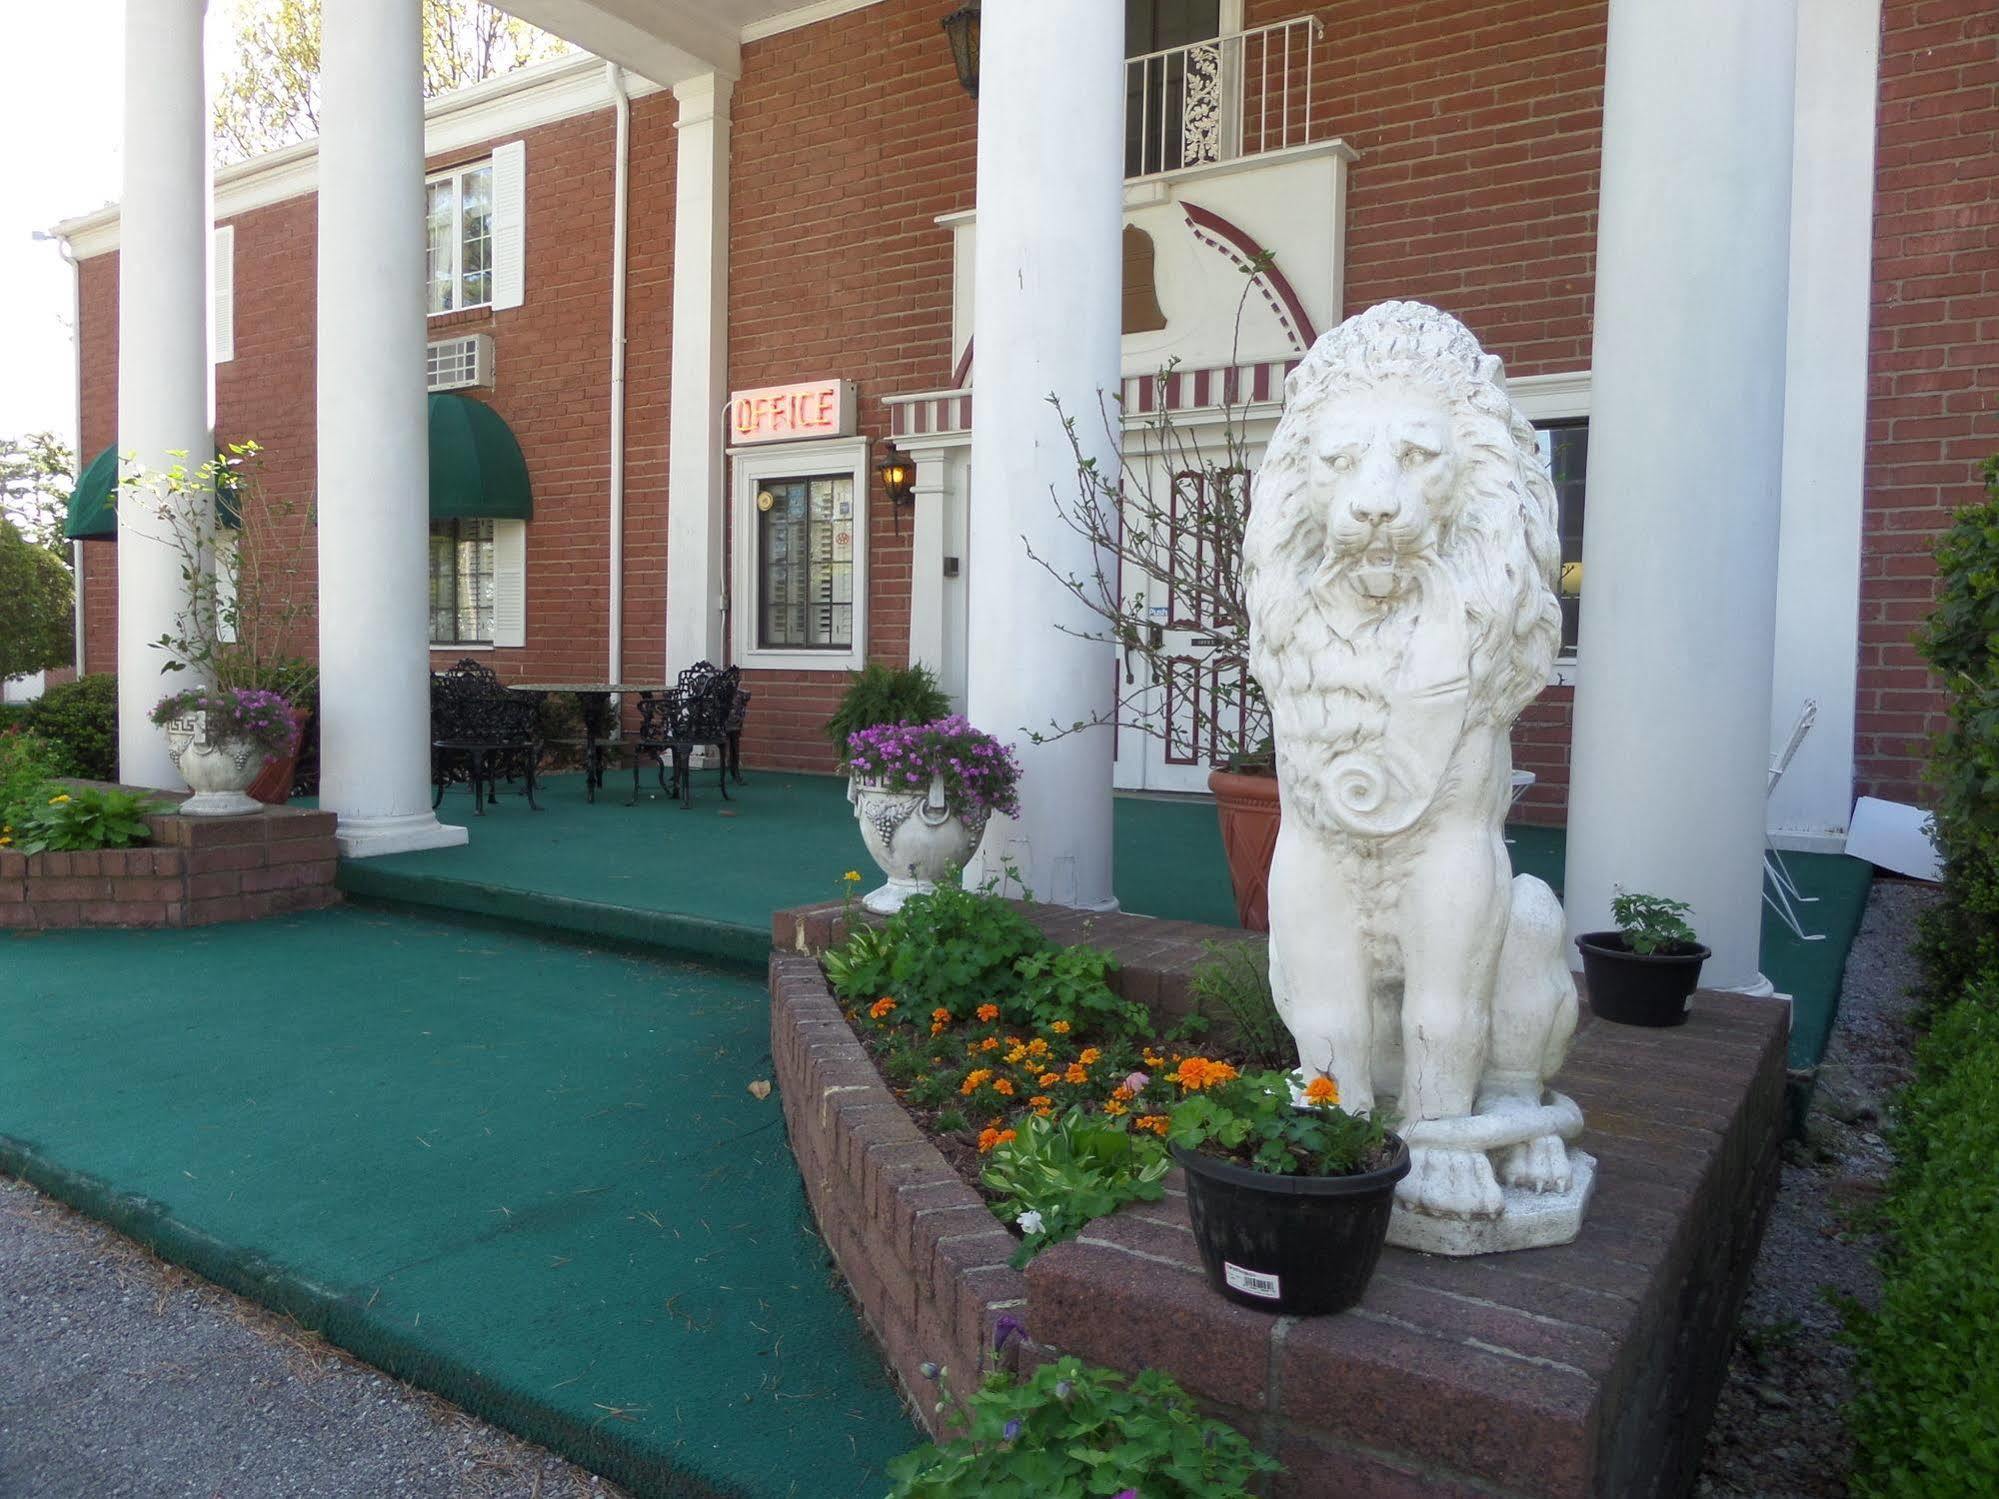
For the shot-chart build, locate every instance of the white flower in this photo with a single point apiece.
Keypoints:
(1029, 1221)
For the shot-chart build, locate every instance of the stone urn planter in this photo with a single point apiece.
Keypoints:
(1249, 811)
(217, 770)
(916, 836)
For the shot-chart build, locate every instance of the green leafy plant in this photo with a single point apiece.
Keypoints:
(1071, 1429)
(87, 818)
(1959, 936)
(954, 949)
(1073, 984)
(879, 694)
(80, 720)
(36, 598)
(1651, 923)
(1925, 1420)
(1250, 1118)
(29, 766)
(1056, 1175)
(1232, 983)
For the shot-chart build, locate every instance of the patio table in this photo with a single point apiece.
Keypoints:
(593, 700)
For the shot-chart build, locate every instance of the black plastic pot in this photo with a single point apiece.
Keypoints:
(1633, 988)
(1301, 1245)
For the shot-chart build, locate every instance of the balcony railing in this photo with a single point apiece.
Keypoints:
(1243, 94)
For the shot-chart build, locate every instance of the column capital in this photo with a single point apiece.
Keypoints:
(703, 98)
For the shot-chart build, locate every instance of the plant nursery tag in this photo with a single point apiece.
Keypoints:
(1255, 1282)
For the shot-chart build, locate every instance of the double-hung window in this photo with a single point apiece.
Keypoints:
(799, 563)
(458, 223)
(461, 581)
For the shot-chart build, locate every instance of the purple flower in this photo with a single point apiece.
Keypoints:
(1011, 1433)
(1006, 1330)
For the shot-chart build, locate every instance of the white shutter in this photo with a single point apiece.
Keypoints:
(222, 308)
(510, 170)
(510, 582)
(225, 560)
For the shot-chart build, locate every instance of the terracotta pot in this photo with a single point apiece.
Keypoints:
(1249, 812)
(273, 786)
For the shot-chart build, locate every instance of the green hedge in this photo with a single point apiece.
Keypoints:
(80, 719)
(1926, 1421)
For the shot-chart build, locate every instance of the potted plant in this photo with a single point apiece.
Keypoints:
(923, 794)
(1645, 972)
(220, 738)
(879, 694)
(1289, 1193)
(249, 598)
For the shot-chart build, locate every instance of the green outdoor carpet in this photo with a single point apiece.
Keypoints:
(706, 880)
(522, 1174)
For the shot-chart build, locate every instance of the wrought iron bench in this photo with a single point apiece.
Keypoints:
(480, 732)
(703, 710)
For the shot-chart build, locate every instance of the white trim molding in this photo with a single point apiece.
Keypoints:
(749, 469)
(489, 111)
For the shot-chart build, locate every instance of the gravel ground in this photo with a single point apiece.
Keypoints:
(122, 1377)
(1779, 1432)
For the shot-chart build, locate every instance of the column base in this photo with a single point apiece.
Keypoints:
(370, 837)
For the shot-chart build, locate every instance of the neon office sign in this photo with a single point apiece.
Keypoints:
(782, 413)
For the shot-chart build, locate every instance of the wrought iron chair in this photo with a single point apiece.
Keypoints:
(738, 711)
(697, 712)
(479, 732)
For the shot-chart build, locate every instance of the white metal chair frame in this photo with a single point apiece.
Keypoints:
(1780, 887)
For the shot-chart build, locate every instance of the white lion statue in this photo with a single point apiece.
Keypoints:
(1397, 566)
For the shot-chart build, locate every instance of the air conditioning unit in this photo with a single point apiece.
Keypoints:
(456, 363)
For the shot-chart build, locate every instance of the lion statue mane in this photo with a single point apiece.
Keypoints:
(1398, 569)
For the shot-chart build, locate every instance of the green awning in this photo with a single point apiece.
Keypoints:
(93, 506)
(92, 511)
(476, 468)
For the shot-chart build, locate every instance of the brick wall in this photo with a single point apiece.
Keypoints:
(551, 383)
(1479, 133)
(1933, 386)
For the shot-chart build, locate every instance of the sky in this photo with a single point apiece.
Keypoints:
(62, 117)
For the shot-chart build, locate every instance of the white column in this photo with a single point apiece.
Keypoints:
(374, 441)
(162, 348)
(1046, 318)
(926, 557)
(700, 378)
(1686, 439)
(1825, 416)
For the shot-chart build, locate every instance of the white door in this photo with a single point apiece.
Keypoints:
(1196, 713)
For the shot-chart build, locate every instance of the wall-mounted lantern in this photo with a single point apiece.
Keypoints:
(898, 476)
(962, 28)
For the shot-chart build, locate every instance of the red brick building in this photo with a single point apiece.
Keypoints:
(1439, 152)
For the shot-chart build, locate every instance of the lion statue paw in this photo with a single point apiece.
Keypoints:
(1447, 1183)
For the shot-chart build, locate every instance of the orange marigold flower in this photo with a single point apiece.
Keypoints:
(1122, 1094)
(1015, 1057)
(1060, 1027)
(1038, 1047)
(1113, 1108)
(1048, 1080)
(940, 1015)
(1076, 1074)
(1046, 1111)
(880, 1007)
(1003, 1087)
(1322, 1090)
(937, 1028)
(1040, 1101)
(1154, 1059)
(987, 1013)
(990, 1139)
(973, 1079)
(1155, 1122)
(1196, 1073)
(1090, 1057)
(991, 1043)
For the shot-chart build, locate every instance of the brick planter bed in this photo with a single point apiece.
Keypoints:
(194, 872)
(1589, 1369)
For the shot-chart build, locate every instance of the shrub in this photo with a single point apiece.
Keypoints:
(953, 950)
(1074, 1429)
(879, 694)
(1926, 1419)
(88, 818)
(1959, 941)
(29, 766)
(1232, 983)
(80, 719)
